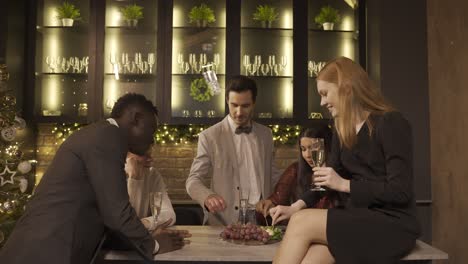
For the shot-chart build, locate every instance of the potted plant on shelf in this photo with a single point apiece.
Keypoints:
(68, 13)
(201, 15)
(328, 17)
(131, 14)
(266, 14)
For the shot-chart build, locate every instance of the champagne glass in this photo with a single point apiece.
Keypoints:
(244, 196)
(318, 158)
(155, 205)
(246, 64)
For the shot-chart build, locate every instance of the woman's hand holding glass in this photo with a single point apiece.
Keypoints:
(327, 177)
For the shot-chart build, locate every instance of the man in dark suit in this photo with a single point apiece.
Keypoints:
(84, 191)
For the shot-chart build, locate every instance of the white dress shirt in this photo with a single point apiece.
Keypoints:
(247, 153)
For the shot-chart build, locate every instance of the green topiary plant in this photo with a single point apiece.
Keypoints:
(328, 14)
(132, 12)
(201, 15)
(265, 14)
(67, 10)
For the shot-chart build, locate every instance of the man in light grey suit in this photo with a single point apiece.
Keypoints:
(84, 191)
(239, 153)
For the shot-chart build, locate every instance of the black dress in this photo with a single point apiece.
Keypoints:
(376, 222)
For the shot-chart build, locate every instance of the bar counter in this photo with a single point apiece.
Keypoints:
(207, 247)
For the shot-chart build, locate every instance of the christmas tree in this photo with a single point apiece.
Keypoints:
(13, 168)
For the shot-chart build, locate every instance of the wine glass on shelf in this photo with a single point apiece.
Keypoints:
(151, 61)
(283, 63)
(318, 159)
(155, 205)
(246, 63)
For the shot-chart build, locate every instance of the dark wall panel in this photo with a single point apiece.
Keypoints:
(397, 59)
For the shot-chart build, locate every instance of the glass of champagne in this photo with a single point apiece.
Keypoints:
(155, 205)
(318, 158)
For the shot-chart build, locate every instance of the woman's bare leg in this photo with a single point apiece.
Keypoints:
(305, 227)
(318, 254)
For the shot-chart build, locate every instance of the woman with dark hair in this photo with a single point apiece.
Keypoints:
(371, 163)
(296, 179)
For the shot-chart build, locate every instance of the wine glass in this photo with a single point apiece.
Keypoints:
(155, 205)
(318, 158)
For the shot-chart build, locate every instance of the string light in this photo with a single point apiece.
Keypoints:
(186, 134)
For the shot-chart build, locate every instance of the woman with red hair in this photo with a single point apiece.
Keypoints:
(370, 164)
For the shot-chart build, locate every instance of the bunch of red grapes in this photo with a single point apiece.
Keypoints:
(245, 232)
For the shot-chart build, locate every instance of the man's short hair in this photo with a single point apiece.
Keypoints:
(240, 84)
(132, 99)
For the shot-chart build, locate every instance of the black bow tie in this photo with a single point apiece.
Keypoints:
(243, 129)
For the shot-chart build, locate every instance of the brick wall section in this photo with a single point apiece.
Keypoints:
(172, 161)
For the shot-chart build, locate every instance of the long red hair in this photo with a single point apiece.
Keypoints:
(356, 96)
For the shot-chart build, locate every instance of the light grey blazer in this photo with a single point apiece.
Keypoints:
(216, 155)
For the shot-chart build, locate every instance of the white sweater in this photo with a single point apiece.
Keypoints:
(139, 189)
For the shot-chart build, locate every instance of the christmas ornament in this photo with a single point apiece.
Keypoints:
(20, 123)
(18, 154)
(24, 167)
(7, 176)
(4, 75)
(23, 184)
(7, 205)
(9, 101)
(8, 133)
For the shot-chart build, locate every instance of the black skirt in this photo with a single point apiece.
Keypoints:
(361, 235)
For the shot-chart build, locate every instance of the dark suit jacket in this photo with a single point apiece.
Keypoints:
(83, 191)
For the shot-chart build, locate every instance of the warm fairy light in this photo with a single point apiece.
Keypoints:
(186, 134)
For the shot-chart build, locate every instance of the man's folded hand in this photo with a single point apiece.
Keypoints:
(170, 239)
